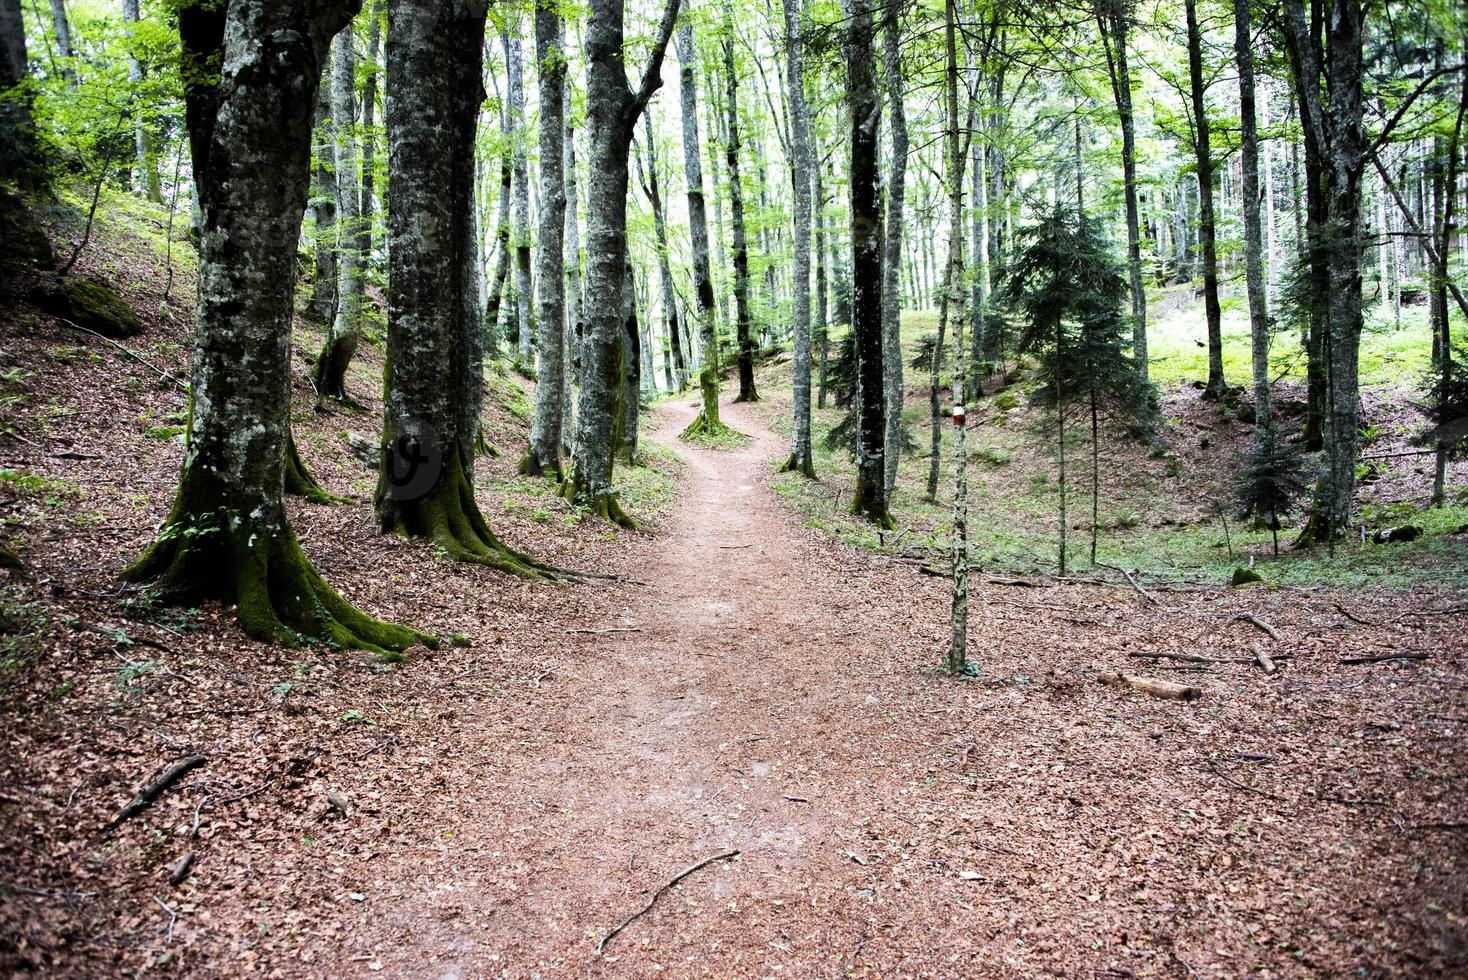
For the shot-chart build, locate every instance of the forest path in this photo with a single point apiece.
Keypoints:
(712, 715)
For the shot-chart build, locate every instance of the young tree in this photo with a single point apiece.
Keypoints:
(1202, 149)
(515, 69)
(228, 536)
(612, 109)
(345, 328)
(1271, 479)
(650, 187)
(864, 110)
(707, 423)
(20, 158)
(503, 232)
(544, 456)
(801, 459)
(435, 351)
(742, 325)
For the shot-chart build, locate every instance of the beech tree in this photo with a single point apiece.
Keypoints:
(431, 409)
(1207, 236)
(892, 394)
(612, 109)
(228, 536)
(801, 460)
(330, 374)
(743, 331)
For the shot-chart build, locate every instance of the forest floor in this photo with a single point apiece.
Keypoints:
(496, 807)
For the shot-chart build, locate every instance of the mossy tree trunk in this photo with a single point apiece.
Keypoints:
(515, 72)
(435, 347)
(323, 211)
(705, 306)
(611, 114)
(892, 261)
(228, 536)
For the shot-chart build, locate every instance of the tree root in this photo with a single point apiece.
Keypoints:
(793, 465)
(449, 516)
(280, 597)
(300, 483)
(702, 427)
(602, 503)
(530, 465)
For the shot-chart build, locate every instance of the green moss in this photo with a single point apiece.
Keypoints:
(164, 433)
(89, 303)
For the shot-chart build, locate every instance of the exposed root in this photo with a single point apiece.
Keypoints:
(603, 503)
(279, 595)
(449, 516)
(300, 483)
(792, 464)
(531, 465)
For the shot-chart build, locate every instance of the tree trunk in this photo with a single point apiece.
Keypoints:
(323, 209)
(435, 351)
(330, 372)
(19, 159)
(1253, 244)
(935, 394)
(892, 244)
(801, 458)
(611, 114)
(575, 306)
(677, 370)
(228, 536)
(368, 207)
(629, 401)
(743, 335)
(1114, 23)
(502, 235)
(707, 421)
(544, 456)
(865, 113)
(957, 657)
(145, 157)
(1206, 236)
(820, 329)
(64, 46)
(525, 351)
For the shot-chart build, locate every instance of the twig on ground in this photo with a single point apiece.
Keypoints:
(1353, 617)
(1382, 658)
(172, 916)
(1133, 583)
(1244, 786)
(1255, 621)
(126, 350)
(652, 900)
(155, 789)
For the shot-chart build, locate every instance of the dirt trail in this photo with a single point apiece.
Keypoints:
(686, 734)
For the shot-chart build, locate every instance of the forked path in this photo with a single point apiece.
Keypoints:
(712, 712)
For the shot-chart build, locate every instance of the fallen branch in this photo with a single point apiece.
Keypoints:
(1262, 659)
(652, 900)
(156, 789)
(1255, 621)
(181, 869)
(1132, 582)
(1353, 617)
(1157, 689)
(1382, 658)
(126, 350)
(120, 636)
(1244, 786)
(1187, 658)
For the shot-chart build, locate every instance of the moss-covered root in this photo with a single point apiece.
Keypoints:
(300, 483)
(483, 447)
(449, 516)
(279, 595)
(330, 373)
(793, 464)
(531, 465)
(864, 506)
(603, 504)
(705, 426)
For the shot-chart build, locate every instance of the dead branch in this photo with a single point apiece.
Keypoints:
(1353, 617)
(1382, 658)
(1242, 785)
(126, 350)
(652, 899)
(1262, 659)
(1255, 621)
(155, 789)
(1133, 583)
(1157, 689)
(181, 869)
(119, 636)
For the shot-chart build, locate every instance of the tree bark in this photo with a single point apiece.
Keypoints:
(330, 372)
(892, 246)
(368, 207)
(503, 233)
(575, 315)
(323, 209)
(544, 456)
(1113, 22)
(1253, 243)
(707, 421)
(742, 325)
(1206, 233)
(957, 657)
(801, 459)
(228, 536)
(525, 352)
(19, 159)
(435, 349)
(820, 329)
(865, 112)
(611, 113)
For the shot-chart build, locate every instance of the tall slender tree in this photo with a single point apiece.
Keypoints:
(544, 456)
(744, 333)
(344, 331)
(892, 259)
(707, 422)
(864, 108)
(515, 70)
(612, 109)
(801, 458)
(1207, 238)
(1253, 238)
(1113, 20)
(650, 186)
